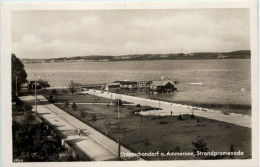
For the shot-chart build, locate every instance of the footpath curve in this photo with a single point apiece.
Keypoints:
(177, 109)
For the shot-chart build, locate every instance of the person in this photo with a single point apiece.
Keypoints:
(78, 131)
(171, 113)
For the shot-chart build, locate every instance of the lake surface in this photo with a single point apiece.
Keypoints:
(221, 80)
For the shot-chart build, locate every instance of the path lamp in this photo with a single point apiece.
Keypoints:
(35, 87)
(118, 112)
(111, 99)
(119, 151)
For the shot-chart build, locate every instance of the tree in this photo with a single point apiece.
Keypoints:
(119, 101)
(74, 106)
(66, 104)
(200, 145)
(51, 99)
(83, 114)
(94, 118)
(72, 87)
(27, 107)
(28, 118)
(232, 149)
(180, 117)
(17, 72)
(65, 91)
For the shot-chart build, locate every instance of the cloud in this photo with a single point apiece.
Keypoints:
(51, 34)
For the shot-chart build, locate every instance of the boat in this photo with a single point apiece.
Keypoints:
(196, 83)
(243, 89)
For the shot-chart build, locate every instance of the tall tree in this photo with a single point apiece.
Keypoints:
(74, 106)
(72, 87)
(19, 72)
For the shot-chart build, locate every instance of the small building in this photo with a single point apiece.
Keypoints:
(163, 86)
(127, 84)
(112, 86)
(94, 86)
(143, 86)
(40, 84)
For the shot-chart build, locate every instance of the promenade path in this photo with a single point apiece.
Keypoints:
(177, 109)
(92, 143)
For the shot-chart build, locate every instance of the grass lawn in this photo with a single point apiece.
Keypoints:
(157, 133)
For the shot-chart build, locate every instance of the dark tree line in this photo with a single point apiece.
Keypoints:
(18, 71)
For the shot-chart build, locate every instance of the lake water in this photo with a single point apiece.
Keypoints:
(222, 80)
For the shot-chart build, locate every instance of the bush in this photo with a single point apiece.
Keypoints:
(232, 149)
(180, 117)
(83, 114)
(138, 105)
(65, 91)
(199, 145)
(66, 103)
(94, 118)
(44, 91)
(130, 108)
(163, 122)
(147, 141)
(177, 149)
(74, 106)
(51, 99)
(27, 107)
(54, 92)
(33, 144)
(192, 116)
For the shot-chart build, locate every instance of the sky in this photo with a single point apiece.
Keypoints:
(53, 34)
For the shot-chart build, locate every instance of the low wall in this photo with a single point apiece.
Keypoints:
(73, 151)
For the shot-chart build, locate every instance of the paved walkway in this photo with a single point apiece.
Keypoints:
(95, 145)
(177, 109)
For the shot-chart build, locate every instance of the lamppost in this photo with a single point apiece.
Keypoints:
(118, 112)
(119, 151)
(35, 86)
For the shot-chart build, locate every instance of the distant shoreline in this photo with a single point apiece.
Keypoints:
(241, 54)
(68, 62)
